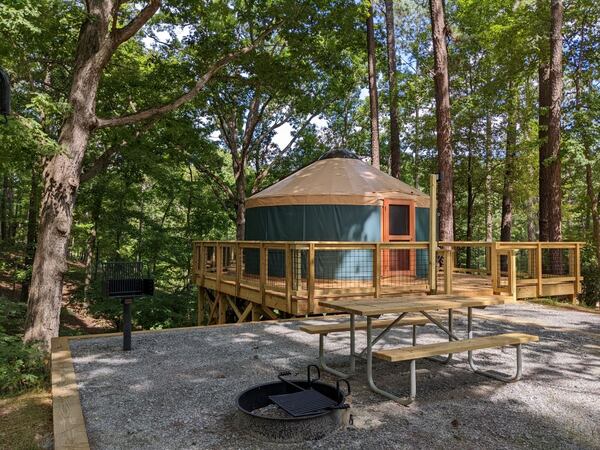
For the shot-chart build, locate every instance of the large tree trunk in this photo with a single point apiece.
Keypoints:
(373, 100)
(543, 105)
(553, 182)
(442, 111)
(489, 216)
(507, 192)
(393, 89)
(61, 178)
(240, 207)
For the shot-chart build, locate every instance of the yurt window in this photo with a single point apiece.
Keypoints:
(398, 220)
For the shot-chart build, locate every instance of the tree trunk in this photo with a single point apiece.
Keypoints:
(4, 210)
(442, 111)
(89, 258)
(544, 104)
(553, 182)
(373, 101)
(470, 194)
(61, 178)
(511, 143)
(393, 89)
(489, 216)
(507, 192)
(240, 207)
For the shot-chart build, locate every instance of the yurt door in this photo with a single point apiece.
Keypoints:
(398, 226)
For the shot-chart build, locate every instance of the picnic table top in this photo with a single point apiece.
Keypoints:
(378, 306)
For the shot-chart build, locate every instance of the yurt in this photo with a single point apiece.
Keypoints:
(340, 198)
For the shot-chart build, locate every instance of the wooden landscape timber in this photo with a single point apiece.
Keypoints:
(248, 280)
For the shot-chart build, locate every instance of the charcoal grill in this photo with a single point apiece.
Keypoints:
(125, 281)
(310, 408)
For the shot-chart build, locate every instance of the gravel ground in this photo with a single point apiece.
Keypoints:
(177, 389)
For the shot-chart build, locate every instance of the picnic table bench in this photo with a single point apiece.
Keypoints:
(351, 326)
(372, 308)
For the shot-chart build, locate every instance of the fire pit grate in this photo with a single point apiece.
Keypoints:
(294, 410)
(305, 402)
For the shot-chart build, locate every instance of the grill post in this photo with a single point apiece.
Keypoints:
(127, 323)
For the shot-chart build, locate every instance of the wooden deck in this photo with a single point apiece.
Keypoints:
(293, 283)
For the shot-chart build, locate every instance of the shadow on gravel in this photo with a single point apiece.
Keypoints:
(177, 389)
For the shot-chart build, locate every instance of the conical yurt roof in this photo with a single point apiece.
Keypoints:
(337, 178)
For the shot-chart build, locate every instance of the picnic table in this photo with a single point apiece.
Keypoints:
(372, 308)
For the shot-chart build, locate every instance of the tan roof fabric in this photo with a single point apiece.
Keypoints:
(337, 181)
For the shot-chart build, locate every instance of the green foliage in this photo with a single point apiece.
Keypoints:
(163, 310)
(22, 366)
(590, 271)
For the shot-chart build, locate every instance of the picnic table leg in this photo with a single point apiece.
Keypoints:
(384, 332)
(331, 370)
(488, 373)
(352, 342)
(413, 373)
(448, 358)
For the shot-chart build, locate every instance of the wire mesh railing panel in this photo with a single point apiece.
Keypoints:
(502, 269)
(250, 265)
(526, 262)
(276, 269)
(210, 258)
(299, 259)
(472, 259)
(404, 268)
(228, 262)
(341, 269)
(558, 262)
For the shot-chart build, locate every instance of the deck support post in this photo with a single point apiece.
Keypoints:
(494, 268)
(512, 273)
(200, 311)
(432, 233)
(256, 312)
(577, 269)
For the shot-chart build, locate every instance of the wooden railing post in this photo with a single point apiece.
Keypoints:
(377, 270)
(202, 263)
(432, 233)
(262, 272)
(577, 273)
(494, 267)
(239, 261)
(512, 273)
(218, 264)
(311, 276)
(448, 270)
(201, 306)
(539, 270)
(288, 277)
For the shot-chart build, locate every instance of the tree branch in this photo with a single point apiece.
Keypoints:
(209, 173)
(159, 111)
(99, 165)
(261, 176)
(121, 35)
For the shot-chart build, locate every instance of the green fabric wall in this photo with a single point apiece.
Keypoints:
(326, 223)
(422, 234)
(350, 223)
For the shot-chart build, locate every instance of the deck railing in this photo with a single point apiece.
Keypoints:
(521, 269)
(294, 276)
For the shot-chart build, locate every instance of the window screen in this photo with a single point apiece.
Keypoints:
(399, 220)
